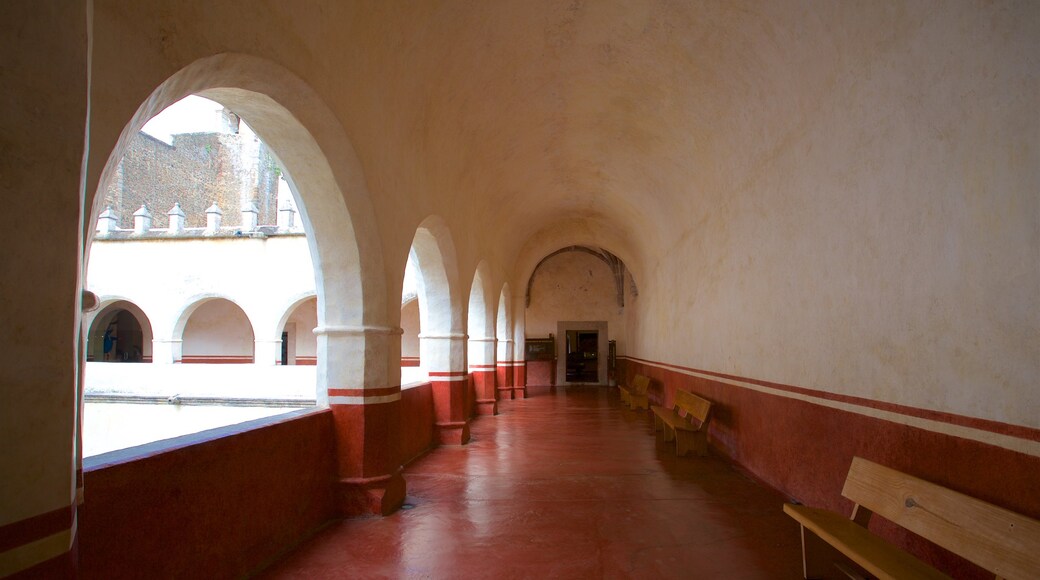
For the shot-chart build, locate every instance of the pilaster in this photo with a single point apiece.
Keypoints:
(482, 369)
(366, 412)
(449, 380)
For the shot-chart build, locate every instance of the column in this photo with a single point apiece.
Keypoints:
(366, 412)
(166, 351)
(519, 364)
(446, 354)
(519, 379)
(504, 376)
(482, 369)
(267, 353)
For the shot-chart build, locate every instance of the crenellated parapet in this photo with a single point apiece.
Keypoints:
(108, 224)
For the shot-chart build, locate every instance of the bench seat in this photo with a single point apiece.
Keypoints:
(634, 395)
(686, 423)
(876, 556)
(1003, 542)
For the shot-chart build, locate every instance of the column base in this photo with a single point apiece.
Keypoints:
(487, 407)
(362, 496)
(505, 393)
(520, 392)
(454, 433)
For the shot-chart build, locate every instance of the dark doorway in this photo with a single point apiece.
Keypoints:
(116, 336)
(285, 348)
(582, 356)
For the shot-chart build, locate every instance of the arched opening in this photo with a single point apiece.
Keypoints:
(440, 315)
(481, 341)
(411, 362)
(120, 332)
(217, 331)
(410, 329)
(504, 337)
(262, 94)
(298, 343)
(442, 340)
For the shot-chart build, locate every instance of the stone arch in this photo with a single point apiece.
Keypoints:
(504, 335)
(481, 312)
(231, 340)
(299, 345)
(324, 174)
(410, 330)
(504, 320)
(442, 342)
(481, 342)
(136, 348)
(437, 288)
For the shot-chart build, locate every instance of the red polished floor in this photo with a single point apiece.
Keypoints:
(563, 485)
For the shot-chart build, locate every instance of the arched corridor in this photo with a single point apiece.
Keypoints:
(821, 217)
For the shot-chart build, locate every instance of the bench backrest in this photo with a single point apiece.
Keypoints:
(640, 384)
(1001, 541)
(694, 406)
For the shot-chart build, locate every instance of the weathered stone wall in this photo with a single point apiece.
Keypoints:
(197, 170)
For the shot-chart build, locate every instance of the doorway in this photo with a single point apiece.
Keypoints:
(582, 356)
(582, 353)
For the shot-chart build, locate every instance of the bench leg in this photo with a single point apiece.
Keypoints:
(820, 560)
(687, 441)
(813, 548)
(668, 433)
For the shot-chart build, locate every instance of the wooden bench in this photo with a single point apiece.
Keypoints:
(686, 422)
(634, 395)
(1003, 542)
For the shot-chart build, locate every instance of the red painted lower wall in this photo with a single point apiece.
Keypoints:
(541, 373)
(220, 508)
(417, 431)
(805, 449)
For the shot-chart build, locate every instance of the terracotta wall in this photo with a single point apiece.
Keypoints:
(417, 434)
(220, 508)
(225, 506)
(794, 439)
(541, 372)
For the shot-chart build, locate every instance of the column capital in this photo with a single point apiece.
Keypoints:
(443, 336)
(356, 330)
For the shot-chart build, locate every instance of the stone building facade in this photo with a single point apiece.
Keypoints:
(230, 167)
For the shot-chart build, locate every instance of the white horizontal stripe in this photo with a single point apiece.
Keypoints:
(450, 335)
(1000, 440)
(365, 400)
(447, 379)
(33, 553)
